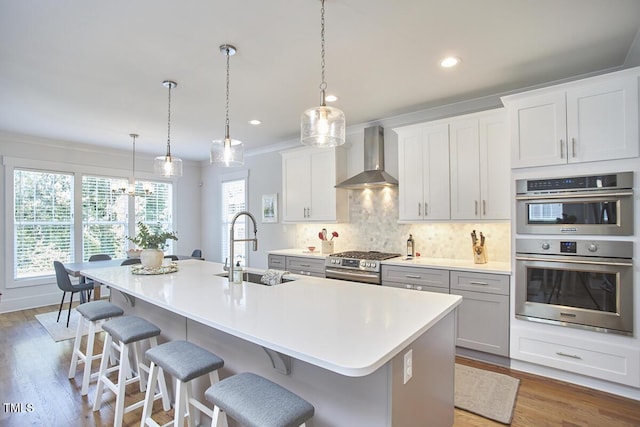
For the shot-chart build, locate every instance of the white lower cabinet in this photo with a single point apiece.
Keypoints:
(616, 363)
(482, 321)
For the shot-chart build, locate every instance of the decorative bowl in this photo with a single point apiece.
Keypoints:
(311, 248)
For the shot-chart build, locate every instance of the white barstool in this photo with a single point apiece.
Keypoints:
(127, 332)
(254, 401)
(92, 312)
(185, 362)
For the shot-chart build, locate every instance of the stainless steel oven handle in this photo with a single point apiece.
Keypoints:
(583, 195)
(569, 260)
(341, 274)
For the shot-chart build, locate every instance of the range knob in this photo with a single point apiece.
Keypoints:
(592, 247)
(546, 246)
(373, 264)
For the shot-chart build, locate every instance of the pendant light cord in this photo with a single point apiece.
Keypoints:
(226, 123)
(133, 168)
(323, 84)
(169, 124)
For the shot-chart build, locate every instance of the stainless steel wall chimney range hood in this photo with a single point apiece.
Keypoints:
(374, 174)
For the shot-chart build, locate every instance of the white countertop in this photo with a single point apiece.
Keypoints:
(440, 263)
(348, 328)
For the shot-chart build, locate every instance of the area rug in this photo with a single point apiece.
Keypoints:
(488, 394)
(59, 330)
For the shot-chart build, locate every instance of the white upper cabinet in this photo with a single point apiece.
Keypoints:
(455, 168)
(589, 120)
(308, 179)
(423, 172)
(479, 167)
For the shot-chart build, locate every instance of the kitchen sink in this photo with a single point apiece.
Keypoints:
(252, 277)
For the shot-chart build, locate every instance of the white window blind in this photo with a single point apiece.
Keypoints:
(234, 201)
(43, 221)
(104, 217)
(156, 208)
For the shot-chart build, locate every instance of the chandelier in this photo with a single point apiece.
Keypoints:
(129, 189)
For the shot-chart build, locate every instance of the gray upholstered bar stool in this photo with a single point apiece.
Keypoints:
(124, 334)
(254, 401)
(185, 361)
(92, 312)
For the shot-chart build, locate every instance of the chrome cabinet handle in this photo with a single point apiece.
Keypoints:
(573, 146)
(471, 282)
(419, 209)
(476, 203)
(425, 209)
(412, 276)
(561, 149)
(573, 356)
(484, 207)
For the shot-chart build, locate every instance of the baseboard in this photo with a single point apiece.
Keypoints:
(8, 305)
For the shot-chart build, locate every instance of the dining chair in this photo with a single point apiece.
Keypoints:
(197, 253)
(100, 257)
(130, 261)
(64, 283)
(172, 257)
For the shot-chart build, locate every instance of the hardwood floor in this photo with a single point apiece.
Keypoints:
(35, 390)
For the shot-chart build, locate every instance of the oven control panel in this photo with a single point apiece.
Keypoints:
(585, 248)
(353, 264)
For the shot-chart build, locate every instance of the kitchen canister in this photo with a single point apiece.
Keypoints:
(327, 247)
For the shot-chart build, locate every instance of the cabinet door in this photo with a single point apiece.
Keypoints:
(410, 170)
(538, 130)
(296, 183)
(323, 180)
(435, 163)
(602, 120)
(464, 146)
(495, 168)
(483, 322)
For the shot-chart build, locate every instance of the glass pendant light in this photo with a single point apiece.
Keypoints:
(322, 126)
(168, 165)
(227, 152)
(130, 188)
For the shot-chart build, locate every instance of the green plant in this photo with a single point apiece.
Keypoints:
(155, 238)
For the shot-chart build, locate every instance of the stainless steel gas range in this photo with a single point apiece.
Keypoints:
(357, 266)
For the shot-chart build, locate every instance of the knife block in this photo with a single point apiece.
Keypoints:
(479, 253)
(327, 247)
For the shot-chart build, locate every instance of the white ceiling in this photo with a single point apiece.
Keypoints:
(92, 71)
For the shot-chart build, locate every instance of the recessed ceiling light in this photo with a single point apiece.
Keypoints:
(331, 98)
(255, 122)
(450, 61)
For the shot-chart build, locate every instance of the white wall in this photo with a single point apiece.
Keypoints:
(82, 157)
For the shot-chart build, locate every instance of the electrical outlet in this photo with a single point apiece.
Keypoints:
(408, 366)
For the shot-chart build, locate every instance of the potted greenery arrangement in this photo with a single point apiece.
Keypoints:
(152, 241)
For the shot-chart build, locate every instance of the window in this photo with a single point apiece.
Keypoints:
(156, 208)
(43, 221)
(66, 215)
(104, 217)
(234, 201)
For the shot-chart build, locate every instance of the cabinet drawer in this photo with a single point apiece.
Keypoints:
(277, 262)
(308, 266)
(430, 277)
(620, 364)
(480, 282)
(417, 287)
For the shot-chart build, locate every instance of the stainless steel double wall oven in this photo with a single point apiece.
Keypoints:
(583, 281)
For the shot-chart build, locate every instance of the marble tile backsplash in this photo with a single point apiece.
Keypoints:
(374, 226)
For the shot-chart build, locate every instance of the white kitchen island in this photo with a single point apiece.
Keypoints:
(343, 343)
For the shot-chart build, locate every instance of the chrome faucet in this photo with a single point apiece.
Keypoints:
(232, 239)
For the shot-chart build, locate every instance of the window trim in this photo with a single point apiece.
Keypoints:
(234, 176)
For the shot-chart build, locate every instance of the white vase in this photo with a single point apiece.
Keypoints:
(151, 258)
